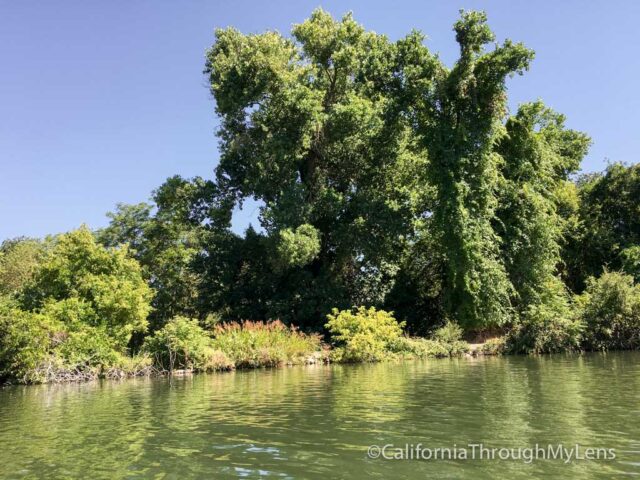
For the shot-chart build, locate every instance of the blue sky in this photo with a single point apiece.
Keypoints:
(101, 101)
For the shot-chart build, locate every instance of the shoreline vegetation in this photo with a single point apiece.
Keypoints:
(357, 335)
(402, 209)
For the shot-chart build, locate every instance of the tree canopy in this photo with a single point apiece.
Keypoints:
(377, 150)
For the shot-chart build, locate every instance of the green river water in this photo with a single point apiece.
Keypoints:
(319, 421)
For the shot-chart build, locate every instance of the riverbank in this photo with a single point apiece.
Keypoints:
(86, 314)
(56, 344)
(184, 348)
(404, 349)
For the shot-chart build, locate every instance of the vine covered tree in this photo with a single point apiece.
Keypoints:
(460, 125)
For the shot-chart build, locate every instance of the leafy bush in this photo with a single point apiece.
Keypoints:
(77, 306)
(259, 344)
(610, 311)
(183, 344)
(549, 325)
(547, 335)
(410, 347)
(108, 284)
(446, 341)
(25, 341)
(494, 346)
(129, 366)
(39, 347)
(449, 337)
(362, 334)
(87, 346)
(449, 333)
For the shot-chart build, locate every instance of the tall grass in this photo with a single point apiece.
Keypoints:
(257, 344)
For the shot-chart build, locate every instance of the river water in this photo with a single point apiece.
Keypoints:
(321, 421)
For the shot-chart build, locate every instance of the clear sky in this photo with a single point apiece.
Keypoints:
(101, 101)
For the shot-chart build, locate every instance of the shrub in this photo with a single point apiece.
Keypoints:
(410, 347)
(25, 341)
(87, 347)
(549, 325)
(448, 333)
(446, 341)
(449, 337)
(258, 344)
(494, 346)
(183, 344)
(105, 287)
(126, 366)
(546, 335)
(549, 335)
(362, 334)
(38, 347)
(610, 311)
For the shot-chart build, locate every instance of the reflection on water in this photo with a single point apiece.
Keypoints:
(317, 421)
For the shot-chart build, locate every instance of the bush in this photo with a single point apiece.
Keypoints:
(548, 326)
(449, 337)
(546, 335)
(264, 344)
(362, 335)
(104, 287)
(494, 346)
(25, 341)
(410, 347)
(87, 346)
(183, 344)
(444, 342)
(38, 347)
(610, 311)
(128, 366)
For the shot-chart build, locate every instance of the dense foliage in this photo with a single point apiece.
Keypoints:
(386, 181)
(252, 344)
(608, 230)
(75, 315)
(183, 344)
(364, 334)
(313, 126)
(610, 311)
(19, 259)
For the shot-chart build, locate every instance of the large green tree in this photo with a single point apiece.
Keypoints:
(314, 126)
(374, 161)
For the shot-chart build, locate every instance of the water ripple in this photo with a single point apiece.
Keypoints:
(317, 421)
